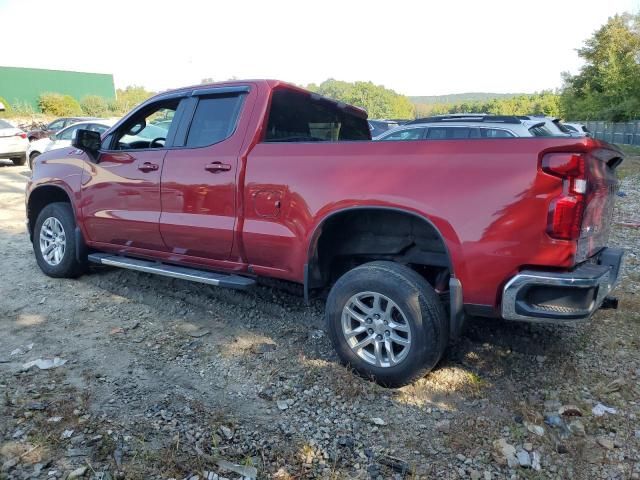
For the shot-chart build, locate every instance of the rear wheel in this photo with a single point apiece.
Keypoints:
(19, 160)
(53, 242)
(387, 323)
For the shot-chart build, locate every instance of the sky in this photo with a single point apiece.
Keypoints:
(414, 47)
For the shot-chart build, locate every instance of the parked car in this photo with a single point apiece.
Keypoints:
(578, 128)
(262, 178)
(465, 126)
(13, 143)
(63, 138)
(55, 126)
(553, 124)
(379, 127)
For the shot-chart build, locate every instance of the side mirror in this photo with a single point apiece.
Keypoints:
(88, 141)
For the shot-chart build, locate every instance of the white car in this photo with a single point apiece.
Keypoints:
(580, 128)
(466, 126)
(62, 138)
(13, 143)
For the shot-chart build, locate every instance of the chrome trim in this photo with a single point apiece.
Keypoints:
(602, 273)
(173, 271)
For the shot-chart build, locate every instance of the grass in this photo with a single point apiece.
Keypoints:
(631, 164)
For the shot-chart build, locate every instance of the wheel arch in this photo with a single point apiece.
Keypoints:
(442, 230)
(43, 195)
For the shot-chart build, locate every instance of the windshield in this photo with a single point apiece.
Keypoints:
(5, 124)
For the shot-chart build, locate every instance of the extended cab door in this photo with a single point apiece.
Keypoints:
(121, 190)
(200, 173)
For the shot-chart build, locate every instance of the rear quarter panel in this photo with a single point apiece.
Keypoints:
(486, 197)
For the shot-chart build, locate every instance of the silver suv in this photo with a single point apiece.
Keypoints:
(467, 126)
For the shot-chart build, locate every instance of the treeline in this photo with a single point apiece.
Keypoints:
(378, 101)
(544, 103)
(59, 105)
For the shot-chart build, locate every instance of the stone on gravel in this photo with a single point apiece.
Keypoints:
(226, 432)
(77, 473)
(505, 453)
(535, 429)
(443, 426)
(282, 404)
(45, 363)
(378, 421)
(243, 470)
(600, 409)
(605, 442)
(9, 464)
(577, 428)
(535, 461)
(524, 459)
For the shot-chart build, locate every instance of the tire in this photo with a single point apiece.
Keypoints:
(410, 306)
(19, 160)
(32, 158)
(53, 218)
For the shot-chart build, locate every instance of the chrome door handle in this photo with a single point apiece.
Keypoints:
(216, 167)
(148, 167)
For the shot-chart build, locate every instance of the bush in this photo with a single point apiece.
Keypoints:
(59, 105)
(95, 106)
(7, 107)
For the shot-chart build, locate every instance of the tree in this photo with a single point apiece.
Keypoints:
(95, 106)
(378, 101)
(59, 105)
(129, 97)
(607, 86)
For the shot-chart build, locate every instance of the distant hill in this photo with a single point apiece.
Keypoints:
(460, 97)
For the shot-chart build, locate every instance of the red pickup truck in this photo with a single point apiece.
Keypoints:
(224, 183)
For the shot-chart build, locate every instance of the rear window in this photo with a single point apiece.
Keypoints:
(4, 124)
(302, 117)
(540, 131)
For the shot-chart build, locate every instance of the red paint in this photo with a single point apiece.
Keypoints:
(489, 198)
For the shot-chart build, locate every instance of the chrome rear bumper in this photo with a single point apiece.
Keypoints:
(538, 296)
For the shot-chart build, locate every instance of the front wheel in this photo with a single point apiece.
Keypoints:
(19, 160)
(387, 323)
(53, 242)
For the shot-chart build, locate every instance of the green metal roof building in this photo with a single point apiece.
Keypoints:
(25, 85)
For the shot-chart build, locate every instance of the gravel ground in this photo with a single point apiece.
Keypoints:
(168, 379)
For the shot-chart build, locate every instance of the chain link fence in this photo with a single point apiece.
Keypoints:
(626, 133)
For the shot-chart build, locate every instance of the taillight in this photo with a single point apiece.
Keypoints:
(567, 210)
(21, 135)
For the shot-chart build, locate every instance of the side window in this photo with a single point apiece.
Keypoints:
(55, 126)
(148, 128)
(302, 117)
(408, 134)
(94, 127)
(496, 133)
(67, 133)
(214, 120)
(448, 133)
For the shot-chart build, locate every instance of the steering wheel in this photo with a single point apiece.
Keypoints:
(159, 139)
